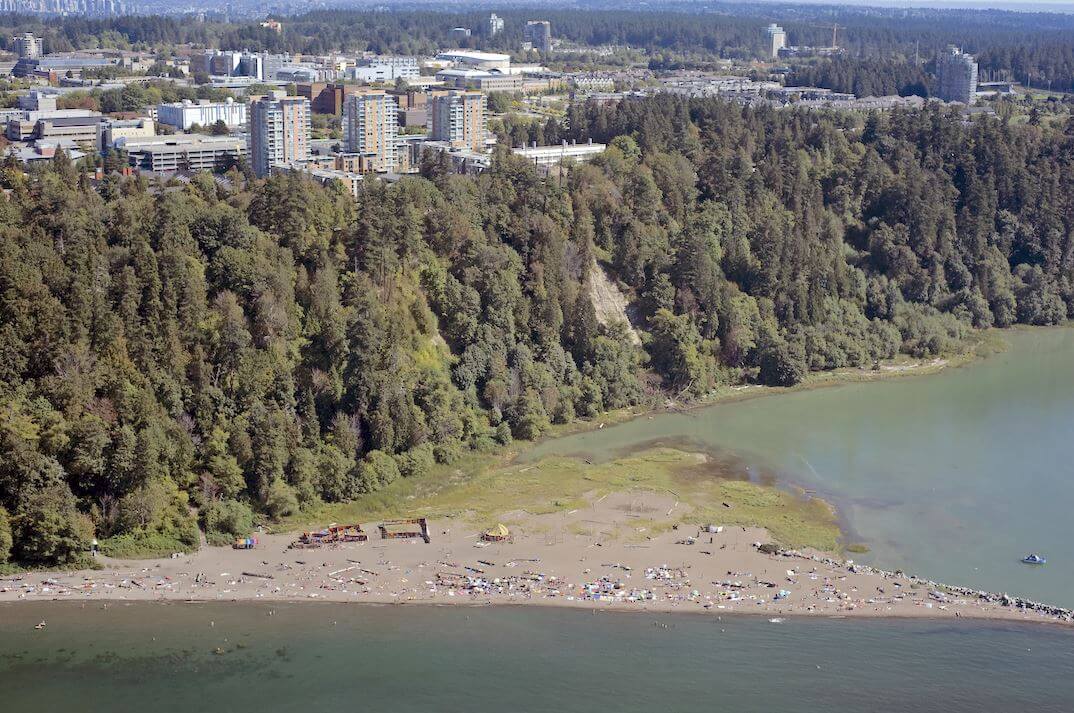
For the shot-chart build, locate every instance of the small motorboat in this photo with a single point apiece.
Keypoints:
(40, 626)
(1033, 559)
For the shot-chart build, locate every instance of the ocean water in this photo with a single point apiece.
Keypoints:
(954, 476)
(307, 658)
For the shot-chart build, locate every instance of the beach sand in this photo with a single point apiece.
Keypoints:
(600, 556)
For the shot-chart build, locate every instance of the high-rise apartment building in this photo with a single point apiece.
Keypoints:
(777, 39)
(279, 132)
(371, 128)
(956, 74)
(495, 24)
(539, 34)
(27, 46)
(458, 118)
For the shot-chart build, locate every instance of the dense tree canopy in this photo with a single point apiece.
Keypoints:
(204, 352)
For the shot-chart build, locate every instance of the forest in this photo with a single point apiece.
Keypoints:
(865, 77)
(204, 354)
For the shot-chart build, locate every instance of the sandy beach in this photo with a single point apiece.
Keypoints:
(599, 556)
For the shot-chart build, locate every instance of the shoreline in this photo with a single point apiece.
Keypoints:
(1006, 614)
(562, 584)
(709, 571)
(972, 619)
(988, 343)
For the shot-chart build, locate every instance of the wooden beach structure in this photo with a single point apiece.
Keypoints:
(331, 535)
(410, 528)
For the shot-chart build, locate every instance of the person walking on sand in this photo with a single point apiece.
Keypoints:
(93, 547)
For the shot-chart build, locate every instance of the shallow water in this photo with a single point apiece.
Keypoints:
(954, 476)
(318, 657)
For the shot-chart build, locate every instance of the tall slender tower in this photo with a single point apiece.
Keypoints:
(539, 34)
(459, 118)
(956, 74)
(27, 46)
(279, 132)
(777, 39)
(371, 128)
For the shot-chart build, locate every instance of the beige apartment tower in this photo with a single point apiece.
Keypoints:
(371, 128)
(27, 46)
(279, 132)
(459, 118)
(777, 39)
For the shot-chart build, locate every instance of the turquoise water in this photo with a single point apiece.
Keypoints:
(318, 657)
(954, 476)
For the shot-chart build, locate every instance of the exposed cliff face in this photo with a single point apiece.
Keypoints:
(609, 302)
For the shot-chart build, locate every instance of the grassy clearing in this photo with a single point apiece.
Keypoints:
(485, 492)
(142, 546)
(83, 561)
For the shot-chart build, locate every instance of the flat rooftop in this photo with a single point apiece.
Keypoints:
(474, 56)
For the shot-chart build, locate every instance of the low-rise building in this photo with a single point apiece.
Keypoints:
(54, 66)
(384, 70)
(351, 180)
(183, 152)
(808, 51)
(470, 59)
(463, 160)
(481, 80)
(38, 100)
(548, 156)
(185, 114)
(413, 107)
(326, 98)
(111, 130)
(592, 81)
(413, 118)
(77, 125)
(44, 151)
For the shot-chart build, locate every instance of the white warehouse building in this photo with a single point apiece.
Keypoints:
(546, 156)
(384, 69)
(184, 114)
(469, 59)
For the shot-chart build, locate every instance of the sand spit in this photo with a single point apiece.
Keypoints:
(604, 556)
